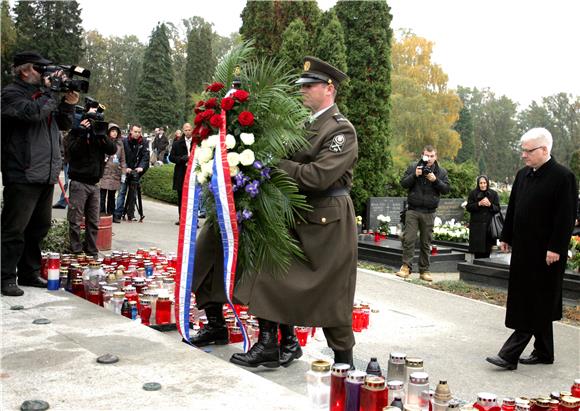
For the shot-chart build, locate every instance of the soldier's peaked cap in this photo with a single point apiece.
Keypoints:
(318, 71)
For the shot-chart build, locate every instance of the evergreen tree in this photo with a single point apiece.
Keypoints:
(329, 46)
(53, 28)
(156, 93)
(368, 35)
(294, 44)
(464, 126)
(8, 43)
(200, 59)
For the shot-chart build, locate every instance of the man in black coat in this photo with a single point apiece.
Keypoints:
(537, 228)
(32, 115)
(180, 156)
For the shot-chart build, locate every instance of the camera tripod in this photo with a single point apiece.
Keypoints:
(133, 199)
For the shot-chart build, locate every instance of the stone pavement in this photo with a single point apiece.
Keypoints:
(55, 362)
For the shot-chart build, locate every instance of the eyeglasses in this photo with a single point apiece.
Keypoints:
(531, 150)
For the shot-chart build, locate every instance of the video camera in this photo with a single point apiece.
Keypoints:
(423, 163)
(96, 118)
(66, 82)
(133, 177)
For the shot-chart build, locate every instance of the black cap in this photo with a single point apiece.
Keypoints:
(318, 71)
(30, 57)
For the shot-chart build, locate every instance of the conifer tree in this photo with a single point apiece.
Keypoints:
(200, 59)
(464, 126)
(294, 44)
(156, 93)
(368, 35)
(8, 42)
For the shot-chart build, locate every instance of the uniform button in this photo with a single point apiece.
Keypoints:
(323, 219)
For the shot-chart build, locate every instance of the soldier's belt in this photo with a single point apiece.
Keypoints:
(331, 192)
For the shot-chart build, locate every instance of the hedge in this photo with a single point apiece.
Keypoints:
(158, 183)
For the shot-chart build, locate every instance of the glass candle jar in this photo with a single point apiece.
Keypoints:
(442, 396)
(372, 395)
(396, 366)
(569, 403)
(576, 388)
(53, 271)
(366, 316)
(133, 307)
(486, 402)
(94, 295)
(235, 334)
(145, 312)
(126, 309)
(302, 335)
(78, 287)
(131, 293)
(418, 382)
(357, 318)
(163, 310)
(396, 389)
(63, 278)
(117, 301)
(353, 383)
(337, 388)
(412, 364)
(318, 384)
(107, 294)
(508, 404)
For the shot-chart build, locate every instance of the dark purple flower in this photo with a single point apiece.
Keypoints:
(258, 165)
(239, 181)
(239, 216)
(252, 188)
(247, 214)
(265, 173)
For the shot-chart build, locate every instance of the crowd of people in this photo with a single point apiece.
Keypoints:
(103, 170)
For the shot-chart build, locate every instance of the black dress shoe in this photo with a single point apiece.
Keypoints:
(33, 282)
(534, 359)
(500, 362)
(116, 220)
(11, 289)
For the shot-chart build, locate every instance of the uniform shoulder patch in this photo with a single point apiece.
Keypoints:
(337, 143)
(340, 118)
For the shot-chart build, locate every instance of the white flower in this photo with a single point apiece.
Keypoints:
(201, 178)
(233, 159)
(213, 140)
(247, 138)
(205, 154)
(464, 204)
(234, 171)
(207, 168)
(437, 221)
(247, 157)
(230, 141)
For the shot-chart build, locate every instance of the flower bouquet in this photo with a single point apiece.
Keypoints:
(450, 231)
(574, 253)
(263, 123)
(384, 221)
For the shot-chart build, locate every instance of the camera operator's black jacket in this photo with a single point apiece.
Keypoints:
(424, 195)
(86, 153)
(136, 153)
(31, 118)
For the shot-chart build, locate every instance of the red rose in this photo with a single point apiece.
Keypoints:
(246, 118)
(203, 132)
(214, 87)
(198, 119)
(211, 102)
(241, 95)
(196, 131)
(228, 103)
(206, 115)
(197, 108)
(216, 121)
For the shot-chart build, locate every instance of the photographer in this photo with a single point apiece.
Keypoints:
(31, 161)
(425, 181)
(137, 159)
(87, 147)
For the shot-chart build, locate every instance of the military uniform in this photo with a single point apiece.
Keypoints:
(319, 291)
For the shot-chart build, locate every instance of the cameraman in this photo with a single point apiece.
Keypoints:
(87, 146)
(425, 181)
(31, 162)
(137, 159)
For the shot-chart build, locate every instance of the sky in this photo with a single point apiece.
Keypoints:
(524, 49)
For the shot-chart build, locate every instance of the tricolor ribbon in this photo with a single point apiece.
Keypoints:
(227, 221)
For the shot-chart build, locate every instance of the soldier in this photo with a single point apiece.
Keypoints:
(318, 292)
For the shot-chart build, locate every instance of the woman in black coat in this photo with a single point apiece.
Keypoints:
(482, 204)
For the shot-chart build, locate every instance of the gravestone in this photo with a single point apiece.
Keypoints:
(449, 208)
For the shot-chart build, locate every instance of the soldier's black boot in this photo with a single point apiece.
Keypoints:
(289, 346)
(215, 332)
(344, 357)
(265, 352)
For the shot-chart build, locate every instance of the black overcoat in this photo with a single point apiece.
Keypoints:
(479, 239)
(179, 155)
(540, 217)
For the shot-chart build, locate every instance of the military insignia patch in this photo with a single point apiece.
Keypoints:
(306, 65)
(337, 143)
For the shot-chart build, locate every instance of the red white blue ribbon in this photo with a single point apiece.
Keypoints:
(221, 183)
(186, 247)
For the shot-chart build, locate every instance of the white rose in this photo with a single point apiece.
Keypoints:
(247, 138)
(207, 168)
(212, 140)
(205, 154)
(234, 171)
(233, 159)
(205, 143)
(230, 141)
(247, 157)
(201, 178)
